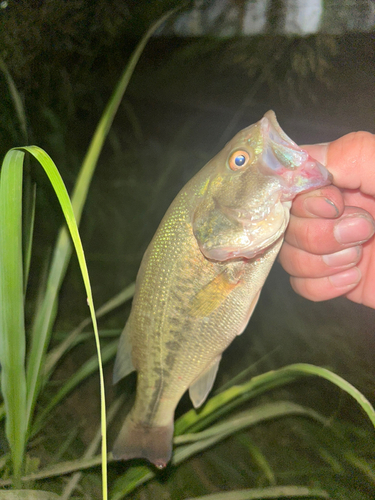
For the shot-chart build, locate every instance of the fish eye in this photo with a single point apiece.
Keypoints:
(239, 159)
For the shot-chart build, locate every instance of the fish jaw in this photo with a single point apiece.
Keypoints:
(298, 171)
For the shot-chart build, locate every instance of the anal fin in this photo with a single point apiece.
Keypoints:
(199, 390)
(123, 363)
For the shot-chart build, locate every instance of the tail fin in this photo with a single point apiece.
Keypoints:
(140, 441)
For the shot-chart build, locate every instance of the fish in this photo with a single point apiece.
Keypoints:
(201, 276)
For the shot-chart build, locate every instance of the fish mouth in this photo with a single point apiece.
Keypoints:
(296, 169)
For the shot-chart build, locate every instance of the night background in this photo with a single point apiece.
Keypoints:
(212, 69)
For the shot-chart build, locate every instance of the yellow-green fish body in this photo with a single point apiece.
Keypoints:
(201, 277)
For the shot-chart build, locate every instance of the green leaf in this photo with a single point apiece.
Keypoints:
(307, 369)
(12, 328)
(87, 369)
(275, 492)
(200, 441)
(220, 405)
(55, 354)
(16, 98)
(28, 495)
(63, 197)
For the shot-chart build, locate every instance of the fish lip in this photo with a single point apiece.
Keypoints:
(271, 127)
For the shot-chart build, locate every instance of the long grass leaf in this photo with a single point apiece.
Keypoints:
(220, 405)
(28, 227)
(249, 418)
(12, 327)
(66, 206)
(74, 480)
(28, 495)
(56, 354)
(16, 98)
(307, 369)
(60, 469)
(191, 444)
(205, 439)
(87, 369)
(275, 492)
(259, 458)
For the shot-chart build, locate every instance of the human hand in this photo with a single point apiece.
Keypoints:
(329, 247)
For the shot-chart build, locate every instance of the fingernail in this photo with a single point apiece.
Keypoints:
(321, 207)
(346, 278)
(354, 229)
(343, 257)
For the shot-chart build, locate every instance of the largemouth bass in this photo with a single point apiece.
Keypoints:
(201, 276)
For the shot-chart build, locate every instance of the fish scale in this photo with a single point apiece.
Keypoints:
(201, 276)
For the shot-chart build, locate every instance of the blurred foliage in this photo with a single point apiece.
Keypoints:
(55, 51)
(288, 66)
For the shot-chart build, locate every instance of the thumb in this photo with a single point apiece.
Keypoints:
(350, 159)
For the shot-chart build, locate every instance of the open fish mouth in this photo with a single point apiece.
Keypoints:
(295, 168)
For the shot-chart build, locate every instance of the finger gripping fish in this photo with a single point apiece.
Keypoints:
(201, 276)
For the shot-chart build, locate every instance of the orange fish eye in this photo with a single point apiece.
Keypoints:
(239, 159)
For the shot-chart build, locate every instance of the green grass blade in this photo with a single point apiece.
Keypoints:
(90, 451)
(191, 444)
(87, 369)
(67, 208)
(249, 418)
(12, 328)
(55, 354)
(60, 469)
(225, 401)
(259, 458)
(28, 228)
(16, 98)
(307, 369)
(220, 405)
(275, 492)
(200, 441)
(28, 495)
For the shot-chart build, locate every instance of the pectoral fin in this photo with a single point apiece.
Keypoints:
(211, 296)
(123, 364)
(199, 390)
